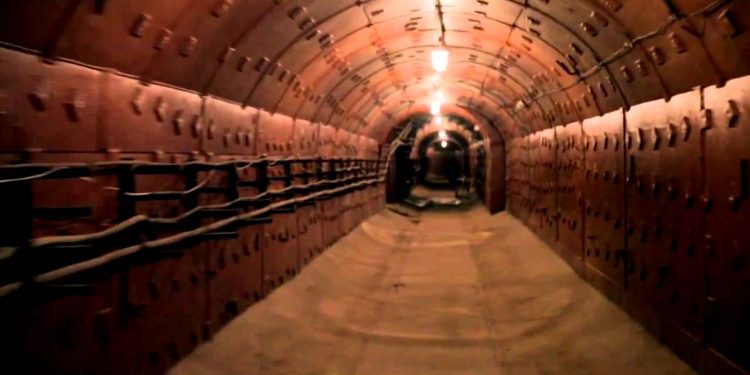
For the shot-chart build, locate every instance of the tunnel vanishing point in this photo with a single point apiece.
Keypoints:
(229, 186)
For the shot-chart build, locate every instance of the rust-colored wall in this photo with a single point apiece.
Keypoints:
(137, 219)
(650, 205)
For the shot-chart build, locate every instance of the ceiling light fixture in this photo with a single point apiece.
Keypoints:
(442, 134)
(435, 108)
(439, 60)
(444, 144)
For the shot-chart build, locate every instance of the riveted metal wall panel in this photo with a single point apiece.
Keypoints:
(518, 178)
(310, 225)
(727, 139)
(677, 53)
(145, 184)
(72, 205)
(280, 252)
(48, 106)
(79, 331)
(330, 211)
(605, 197)
(163, 312)
(326, 141)
(542, 159)
(203, 41)
(275, 134)
(234, 274)
(602, 89)
(727, 37)
(125, 36)
(570, 190)
(305, 137)
(665, 264)
(147, 117)
(225, 128)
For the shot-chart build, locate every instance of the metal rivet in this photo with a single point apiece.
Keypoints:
(197, 125)
(243, 62)
(160, 109)
(641, 138)
(672, 139)
(591, 30)
(601, 19)
(641, 67)
(177, 121)
(685, 127)
(677, 42)
(39, 96)
(733, 113)
(707, 119)
(221, 7)
(657, 138)
(211, 129)
(164, 37)
(137, 102)
(188, 46)
(626, 74)
(227, 54)
(728, 24)
(74, 105)
(613, 5)
(657, 56)
(140, 25)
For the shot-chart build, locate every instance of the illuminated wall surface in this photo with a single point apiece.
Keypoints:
(165, 164)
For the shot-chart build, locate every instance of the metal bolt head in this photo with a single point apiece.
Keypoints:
(733, 113)
(707, 118)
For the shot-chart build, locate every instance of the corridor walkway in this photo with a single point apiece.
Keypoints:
(459, 292)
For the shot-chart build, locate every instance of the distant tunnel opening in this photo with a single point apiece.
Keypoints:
(444, 153)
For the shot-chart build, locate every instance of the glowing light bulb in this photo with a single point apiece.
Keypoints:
(439, 60)
(444, 144)
(435, 108)
(442, 134)
(438, 120)
(439, 96)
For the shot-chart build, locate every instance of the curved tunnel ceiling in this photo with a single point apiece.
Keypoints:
(521, 65)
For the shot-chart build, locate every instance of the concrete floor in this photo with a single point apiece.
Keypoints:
(458, 293)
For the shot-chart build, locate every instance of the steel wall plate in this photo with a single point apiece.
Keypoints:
(305, 137)
(275, 134)
(325, 141)
(234, 274)
(570, 167)
(126, 37)
(665, 267)
(148, 118)
(310, 226)
(727, 38)
(543, 194)
(46, 106)
(726, 206)
(604, 194)
(204, 42)
(675, 54)
(280, 251)
(82, 328)
(224, 128)
(162, 316)
(57, 197)
(157, 183)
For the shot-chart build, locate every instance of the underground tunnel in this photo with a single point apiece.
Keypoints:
(348, 187)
